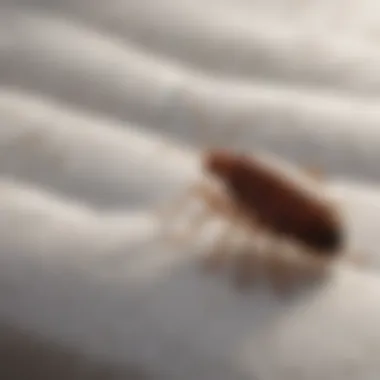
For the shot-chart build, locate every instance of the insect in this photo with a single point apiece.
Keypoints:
(276, 203)
(258, 200)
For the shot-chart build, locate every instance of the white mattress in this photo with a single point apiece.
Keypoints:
(104, 107)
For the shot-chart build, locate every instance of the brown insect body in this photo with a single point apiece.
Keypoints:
(276, 203)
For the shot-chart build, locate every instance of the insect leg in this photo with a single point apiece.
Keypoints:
(219, 254)
(248, 265)
(199, 190)
(213, 203)
(301, 268)
(314, 172)
(168, 213)
(248, 256)
(358, 259)
(280, 266)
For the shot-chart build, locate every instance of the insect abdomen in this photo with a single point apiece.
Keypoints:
(284, 209)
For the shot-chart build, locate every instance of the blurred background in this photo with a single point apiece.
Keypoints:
(99, 98)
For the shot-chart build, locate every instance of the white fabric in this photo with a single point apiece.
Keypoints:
(101, 104)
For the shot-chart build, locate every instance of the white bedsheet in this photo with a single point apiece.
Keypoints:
(103, 108)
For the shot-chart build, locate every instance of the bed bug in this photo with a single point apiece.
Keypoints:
(256, 199)
(276, 203)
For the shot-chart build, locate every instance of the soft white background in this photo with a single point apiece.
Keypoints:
(103, 106)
